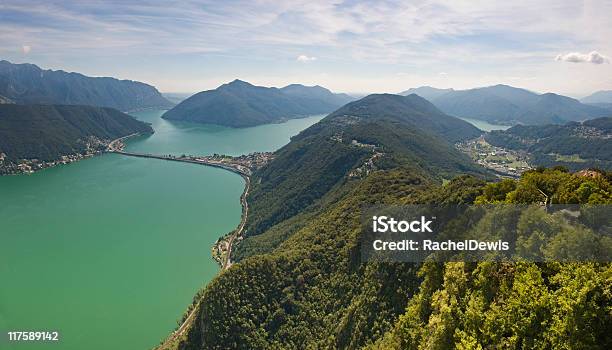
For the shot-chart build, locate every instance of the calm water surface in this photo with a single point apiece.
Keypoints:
(485, 126)
(109, 251)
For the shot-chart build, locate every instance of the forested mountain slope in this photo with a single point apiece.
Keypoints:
(298, 281)
(314, 292)
(46, 132)
(240, 104)
(376, 132)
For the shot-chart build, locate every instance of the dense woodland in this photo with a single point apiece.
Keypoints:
(300, 282)
(317, 163)
(313, 291)
(47, 132)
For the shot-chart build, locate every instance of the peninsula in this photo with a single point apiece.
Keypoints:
(36, 137)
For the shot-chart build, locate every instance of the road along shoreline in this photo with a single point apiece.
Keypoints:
(224, 243)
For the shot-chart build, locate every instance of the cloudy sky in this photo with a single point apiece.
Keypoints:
(353, 46)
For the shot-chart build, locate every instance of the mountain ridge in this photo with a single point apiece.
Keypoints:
(377, 132)
(602, 96)
(504, 104)
(241, 104)
(27, 83)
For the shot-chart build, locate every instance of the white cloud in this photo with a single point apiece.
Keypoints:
(304, 58)
(385, 36)
(577, 57)
(25, 49)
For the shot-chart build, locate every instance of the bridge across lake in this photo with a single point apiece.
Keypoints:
(236, 168)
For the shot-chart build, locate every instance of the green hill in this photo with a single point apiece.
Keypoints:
(240, 104)
(312, 290)
(47, 132)
(28, 84)
(376, 132)
(573, 145)
(298, 281)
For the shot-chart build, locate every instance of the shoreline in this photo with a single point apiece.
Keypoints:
(240, 165)
(31, 166)
(224, 260)
(222, 249)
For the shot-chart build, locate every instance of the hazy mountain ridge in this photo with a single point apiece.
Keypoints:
(427, 92)
(503, 104)
(607, 106)
(29, 84)
(603, 96)
(241, 104)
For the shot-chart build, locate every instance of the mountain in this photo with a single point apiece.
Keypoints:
(427, 92)
(317, 94)
(48, 132)
(606, 106)
(380, 131)
(176, 97)
(368, 151)
(299, 281)
(604, 96)
(240, 104)
(573, 145)
(503, 104)
(28, 84)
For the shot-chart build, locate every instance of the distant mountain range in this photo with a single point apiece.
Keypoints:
(427, 92)
(48, 132)
(503, 104)
(29, 84)
(240, 104)
(176, 97)
(604, 96)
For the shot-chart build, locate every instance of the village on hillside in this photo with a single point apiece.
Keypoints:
(507, 163)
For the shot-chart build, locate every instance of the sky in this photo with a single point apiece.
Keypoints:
(349, 46)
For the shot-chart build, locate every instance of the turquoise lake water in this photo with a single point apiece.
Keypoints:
(109, 251)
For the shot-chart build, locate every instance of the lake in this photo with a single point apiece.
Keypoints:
(109, 251)
(483, 125)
